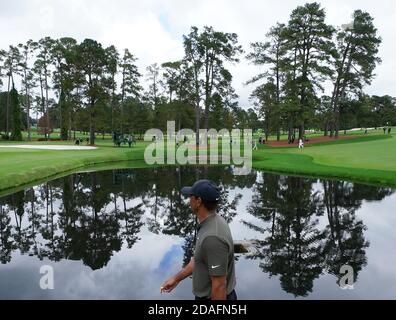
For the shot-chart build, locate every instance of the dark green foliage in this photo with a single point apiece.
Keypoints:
(16, 132)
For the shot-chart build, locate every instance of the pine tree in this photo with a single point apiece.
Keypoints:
(310, 52)
(357, 48)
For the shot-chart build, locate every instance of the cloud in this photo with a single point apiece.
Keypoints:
(153, 30)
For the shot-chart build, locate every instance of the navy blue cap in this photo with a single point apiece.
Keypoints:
(205, 189)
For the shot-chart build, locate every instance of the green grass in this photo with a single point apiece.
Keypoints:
(21, 166)
(368, 158)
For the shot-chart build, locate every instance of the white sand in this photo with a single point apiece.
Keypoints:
(47, 147)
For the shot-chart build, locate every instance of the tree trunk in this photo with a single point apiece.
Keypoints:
(42, 102)
(122, 103)
(8, 106)
(46, 104)
(266, 128)
(336, 91)
(209, 65)
(289, 131)
(277, 93)
(197, 111)
(197, 115)
(27, 107)
(336, 121)
(60, 116)
(91, 126)
(70, 126)
(207, 115)
(112, 107)
(28, 127)
(301, 131)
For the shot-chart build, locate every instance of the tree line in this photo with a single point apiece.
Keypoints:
(302, 56)
(88, 87)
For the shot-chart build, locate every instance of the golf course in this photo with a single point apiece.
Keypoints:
(206, 150)
(365, 158)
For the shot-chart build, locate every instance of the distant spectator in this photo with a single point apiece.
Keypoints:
(300, 144)
(77, 142)
(384, 130)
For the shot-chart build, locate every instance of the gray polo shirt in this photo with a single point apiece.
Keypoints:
(213, 256)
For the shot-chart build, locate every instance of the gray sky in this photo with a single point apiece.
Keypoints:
(153, 29)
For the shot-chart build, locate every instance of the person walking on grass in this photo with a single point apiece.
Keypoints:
(212, 267)
(300, 144)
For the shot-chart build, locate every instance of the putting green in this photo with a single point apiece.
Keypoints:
(375, 154)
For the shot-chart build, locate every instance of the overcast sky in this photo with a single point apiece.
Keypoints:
(153, 30)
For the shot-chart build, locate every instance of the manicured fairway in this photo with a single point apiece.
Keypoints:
(370, 159)
(370, 154)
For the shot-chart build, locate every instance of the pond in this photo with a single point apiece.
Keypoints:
(118, 234)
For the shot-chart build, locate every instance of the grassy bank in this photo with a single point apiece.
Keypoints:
(370, 159)
(22, 166)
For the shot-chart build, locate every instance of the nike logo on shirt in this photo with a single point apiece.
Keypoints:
(213, 267)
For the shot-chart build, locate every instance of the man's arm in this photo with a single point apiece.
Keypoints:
(219, 288)
(215, 253)
(172, 282)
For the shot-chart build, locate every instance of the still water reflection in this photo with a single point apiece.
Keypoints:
(120, 233)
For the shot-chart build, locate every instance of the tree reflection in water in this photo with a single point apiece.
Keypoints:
(296, 247)
(308, 227)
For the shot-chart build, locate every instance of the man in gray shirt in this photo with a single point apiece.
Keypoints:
(212, 266)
